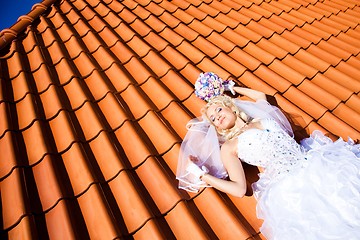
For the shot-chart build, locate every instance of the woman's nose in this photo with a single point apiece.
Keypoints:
(217, 116)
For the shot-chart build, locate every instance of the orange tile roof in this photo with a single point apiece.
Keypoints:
(95, 95)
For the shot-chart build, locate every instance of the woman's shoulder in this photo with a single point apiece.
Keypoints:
(230, 145)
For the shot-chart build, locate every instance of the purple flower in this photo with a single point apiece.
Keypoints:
(208, 85)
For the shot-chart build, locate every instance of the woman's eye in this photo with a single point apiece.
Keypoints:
(218, 109)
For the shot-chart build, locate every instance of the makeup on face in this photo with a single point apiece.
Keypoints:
(222, 117)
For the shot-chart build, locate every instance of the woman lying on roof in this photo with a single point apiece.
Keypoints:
(305, 191)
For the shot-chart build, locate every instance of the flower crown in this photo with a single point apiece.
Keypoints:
(209, 85)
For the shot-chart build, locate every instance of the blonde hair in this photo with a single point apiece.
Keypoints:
(228, 102)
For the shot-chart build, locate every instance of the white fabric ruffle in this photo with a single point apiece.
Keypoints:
(320, 200)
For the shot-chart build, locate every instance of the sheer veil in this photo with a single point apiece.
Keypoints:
(261, 109)
(202, 143)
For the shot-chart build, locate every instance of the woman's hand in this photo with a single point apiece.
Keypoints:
(193, 168)
(236, 185)
(196, 170)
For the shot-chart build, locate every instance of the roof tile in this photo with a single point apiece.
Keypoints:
(51, 102)
(275, 80)
(348, 115)
(26, 111)
(285, 44)
(249, 13)
(349, 70)
(44, 175)
(107, 158)
(318, 10)
(134, 66)
(182, 217)
(292, 17)
(307, 104)
(21, 86)
(237, 16)
(354, 103)
(229, 64)
(342, 20)
(207, 47)
(302, 14)
(260, 10)
(310, 12)
(343, 79)
(338, 5)
(350, 40)
(332, 86)
(132, 207)
(272, 48)
(318, 93)
(271, 26)
(205, 201)
(324, 32)
(339, 127)
(152, 169)
(134, 156)
(153, 89)
(313, 63)
(194, 54)
(286, 72)
(300, 65)
(282, 22)
(95, 97)
(62, 131)
(337, 51)
(354, 62)
(260, 29)
(220, 6)
(150, 230)
(269, 6)
(248, 33)
(177, 85)
(245, 58)
(100, 223)
(58, 219)
(8, 153)
(254, 82)
(324, 6)
(88, 120)
(14, 195)
(303, 118)
(344, 45)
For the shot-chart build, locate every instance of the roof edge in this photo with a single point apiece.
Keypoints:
(7, 35)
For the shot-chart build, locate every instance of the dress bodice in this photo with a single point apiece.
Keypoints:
(271, 148)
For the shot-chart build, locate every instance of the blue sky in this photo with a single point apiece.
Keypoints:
(11, 10)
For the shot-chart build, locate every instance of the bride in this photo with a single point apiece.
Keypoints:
(305, 191)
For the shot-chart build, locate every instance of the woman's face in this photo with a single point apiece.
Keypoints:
(222, 117)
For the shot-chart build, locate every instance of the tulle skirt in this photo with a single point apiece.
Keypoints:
(320, 200)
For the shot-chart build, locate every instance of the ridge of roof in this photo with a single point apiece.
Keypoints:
(7, 35)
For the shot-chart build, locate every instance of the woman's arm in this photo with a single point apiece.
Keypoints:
(251, 93)
(236, 186)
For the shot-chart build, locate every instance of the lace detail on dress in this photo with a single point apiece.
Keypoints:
(271, 148)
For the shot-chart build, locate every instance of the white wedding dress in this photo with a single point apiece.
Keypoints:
(308, 191)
